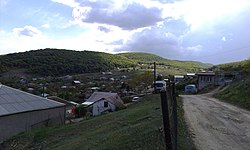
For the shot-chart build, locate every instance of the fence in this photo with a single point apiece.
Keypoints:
(169, 113)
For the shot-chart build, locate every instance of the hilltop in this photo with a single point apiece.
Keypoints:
(55, 62)
(140, 57)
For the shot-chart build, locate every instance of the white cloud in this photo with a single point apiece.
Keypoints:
(180, 29)
(71, 3)
(199, 13)
(27, 31)
(46, 26)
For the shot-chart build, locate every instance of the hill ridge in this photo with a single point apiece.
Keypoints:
(54, 62)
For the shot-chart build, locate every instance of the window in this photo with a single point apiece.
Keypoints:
(106, 104)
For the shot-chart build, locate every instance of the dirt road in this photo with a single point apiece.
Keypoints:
(217, 125)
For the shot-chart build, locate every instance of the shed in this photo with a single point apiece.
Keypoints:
(21, 111)
(205, 78)
(104, 101)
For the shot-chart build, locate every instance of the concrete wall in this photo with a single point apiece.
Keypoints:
(98, 107)
(204, 81)
(13, 124)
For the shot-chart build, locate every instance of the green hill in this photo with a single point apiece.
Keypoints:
(137, 127)
(58, 62)
(241, 66)
(237, 93)
(150, 58)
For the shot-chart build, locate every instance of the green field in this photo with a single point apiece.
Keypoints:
(137, 127)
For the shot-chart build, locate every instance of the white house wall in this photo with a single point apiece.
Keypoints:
(98, 107)
(16, 123)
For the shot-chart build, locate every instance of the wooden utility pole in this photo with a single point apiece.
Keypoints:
(154, 76)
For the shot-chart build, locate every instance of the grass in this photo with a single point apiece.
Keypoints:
(137, 127)
(237, 94)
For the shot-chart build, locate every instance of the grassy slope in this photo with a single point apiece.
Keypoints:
(241, 66)
(237, 93)
(137, 127)
(146, 57)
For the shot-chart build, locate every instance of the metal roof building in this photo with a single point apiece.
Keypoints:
(21, 111)
(104, 101)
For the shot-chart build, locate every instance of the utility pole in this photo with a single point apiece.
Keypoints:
(154, 76)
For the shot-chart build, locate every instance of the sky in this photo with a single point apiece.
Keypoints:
(210, 31)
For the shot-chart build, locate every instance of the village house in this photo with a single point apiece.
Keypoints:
(178, 78)
(100, 102)
(190, 75)
(205, 79)
(21, 111)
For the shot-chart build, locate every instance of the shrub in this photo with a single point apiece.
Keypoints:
(80, 110)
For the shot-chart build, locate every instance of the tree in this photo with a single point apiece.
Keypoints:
(143, 79)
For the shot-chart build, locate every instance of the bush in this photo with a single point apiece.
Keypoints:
(80, 110)
(126, 99)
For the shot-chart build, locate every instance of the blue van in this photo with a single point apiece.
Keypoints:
(191, 88)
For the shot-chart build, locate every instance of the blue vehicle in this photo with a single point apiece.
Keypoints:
(191, 89)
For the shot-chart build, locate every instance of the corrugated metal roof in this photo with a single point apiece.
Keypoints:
(16, 101)
(99, 95)
(205, 74)
(111, 97)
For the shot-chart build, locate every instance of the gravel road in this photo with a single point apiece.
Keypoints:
(216, 125)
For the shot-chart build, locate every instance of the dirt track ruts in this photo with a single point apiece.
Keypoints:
(216, 125)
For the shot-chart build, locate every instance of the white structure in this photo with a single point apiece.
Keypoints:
(160, 85)
(21, 111)
(103, 101)
(178, 78)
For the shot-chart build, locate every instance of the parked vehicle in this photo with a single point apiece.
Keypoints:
(135, 99)
(160, 85)
(191, 88)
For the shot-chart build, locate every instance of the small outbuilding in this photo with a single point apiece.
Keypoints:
(21, 111)
(100, 102)
(205, 79)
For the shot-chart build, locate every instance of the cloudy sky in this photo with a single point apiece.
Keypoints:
(211, 31)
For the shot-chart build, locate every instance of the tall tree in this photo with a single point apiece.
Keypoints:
(144, 79)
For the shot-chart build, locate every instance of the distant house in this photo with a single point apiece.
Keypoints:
(190, 75)
(107, 73)
(21, 111)
(178, 78)
(205, 78)
(100, 102)
(76, 82)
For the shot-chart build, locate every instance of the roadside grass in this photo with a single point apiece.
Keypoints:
(185, 139)
(237, 93)
(137, 127)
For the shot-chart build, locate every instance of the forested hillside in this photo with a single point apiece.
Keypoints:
(61, 62)
(55, 62)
